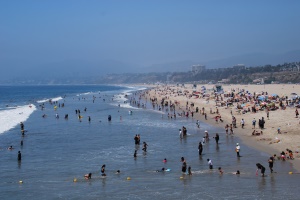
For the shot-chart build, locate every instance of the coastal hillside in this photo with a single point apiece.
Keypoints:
(283, 73)
(240, 74)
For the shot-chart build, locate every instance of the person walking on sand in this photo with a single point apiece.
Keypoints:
(242, 123)
(297, 113)
(253, 123)
(226, 129)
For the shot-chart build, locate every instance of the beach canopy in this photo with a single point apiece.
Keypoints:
(261, 98)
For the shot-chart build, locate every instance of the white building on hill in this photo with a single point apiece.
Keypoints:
(196, 69)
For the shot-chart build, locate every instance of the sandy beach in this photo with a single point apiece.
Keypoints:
(270, 141)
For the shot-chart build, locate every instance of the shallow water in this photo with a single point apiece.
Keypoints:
(56, 151)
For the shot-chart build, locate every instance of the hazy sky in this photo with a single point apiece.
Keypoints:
(141, 33)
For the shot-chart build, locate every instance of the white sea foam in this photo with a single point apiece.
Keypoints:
(12, 117)
(47, 100)
(86, 93)
(124, 105)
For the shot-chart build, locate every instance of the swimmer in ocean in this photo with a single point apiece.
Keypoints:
(10, 148)
(103, 170)
(162, 170)
(88, 176)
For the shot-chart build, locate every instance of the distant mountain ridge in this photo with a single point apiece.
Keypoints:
(250, 60)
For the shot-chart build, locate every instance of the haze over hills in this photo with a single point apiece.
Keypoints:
(15, 69)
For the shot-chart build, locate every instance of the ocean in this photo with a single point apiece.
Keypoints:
(56, 151)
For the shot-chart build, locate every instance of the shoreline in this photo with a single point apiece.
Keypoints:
(267, 143)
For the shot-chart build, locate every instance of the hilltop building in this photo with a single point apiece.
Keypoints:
(239, 66)
(196, 69)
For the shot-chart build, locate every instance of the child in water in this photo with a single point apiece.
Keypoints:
(220, 170)
(189, 170)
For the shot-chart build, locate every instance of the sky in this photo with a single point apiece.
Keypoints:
(127, 35)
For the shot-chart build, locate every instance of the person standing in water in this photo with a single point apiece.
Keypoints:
(180, 134)
(145, 146)
(19, 156)
(22, 126)
(103, 170)
(200, 148)
(217, 137)
(262, 169)
(139, 139)
(271, 162)
(189, 170)
(183, 168)
(136, 139)
(134, 155)
(210, 164)
(237, 150)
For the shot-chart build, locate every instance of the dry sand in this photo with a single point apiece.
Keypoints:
(270, 142)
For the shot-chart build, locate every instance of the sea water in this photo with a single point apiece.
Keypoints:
(56, 151)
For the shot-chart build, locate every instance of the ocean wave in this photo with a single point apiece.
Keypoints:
(86, 93)
(12, 117)
(124, 105)
(47, 100)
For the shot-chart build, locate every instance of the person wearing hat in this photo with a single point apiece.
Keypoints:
(237, 149)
